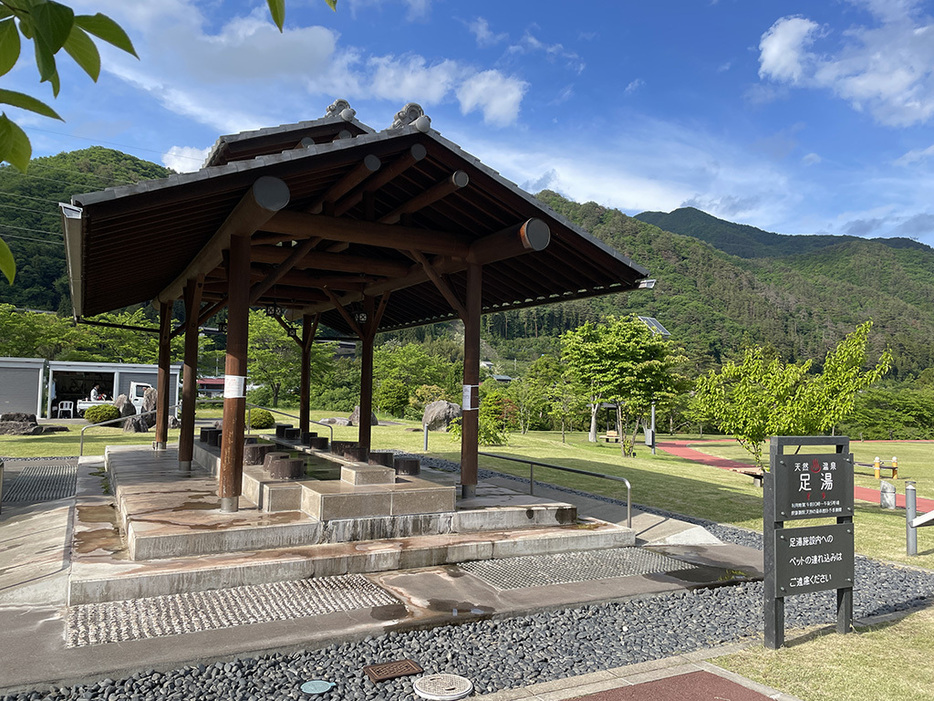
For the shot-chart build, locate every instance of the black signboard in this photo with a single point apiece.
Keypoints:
(813, 558)
(813, 486)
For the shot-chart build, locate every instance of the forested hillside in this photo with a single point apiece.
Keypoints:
(801, 299)
(31, 224)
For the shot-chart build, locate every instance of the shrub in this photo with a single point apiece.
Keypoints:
(101, 412)
(260, 418)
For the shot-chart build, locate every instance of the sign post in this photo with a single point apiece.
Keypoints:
(813, 558)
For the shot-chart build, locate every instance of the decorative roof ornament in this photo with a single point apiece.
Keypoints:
(342, 109)
(412, 113)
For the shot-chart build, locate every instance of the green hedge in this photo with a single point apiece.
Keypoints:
(101, 412)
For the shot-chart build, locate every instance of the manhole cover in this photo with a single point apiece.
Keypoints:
(391, 670)
(443, 687)
(317, 686)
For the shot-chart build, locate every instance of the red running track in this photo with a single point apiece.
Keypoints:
(683, 449)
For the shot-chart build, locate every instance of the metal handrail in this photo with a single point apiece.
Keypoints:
(199, 401)
(249, 406)
(533, 463)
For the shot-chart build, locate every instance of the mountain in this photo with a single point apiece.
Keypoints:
(714, 302)
(31, 224)
(748, 241)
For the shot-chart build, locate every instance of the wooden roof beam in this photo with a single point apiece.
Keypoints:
(442, 285)
(438, 191)
(364, 170)
(297, 253)
(265, 197)
(300, 225)
(415, 153)
(336, 262)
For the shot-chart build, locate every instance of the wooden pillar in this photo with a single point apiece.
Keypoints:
(365, 430)
(470, 421)
(186, 439)
(309, 329)
(231, 468)
(162, 381)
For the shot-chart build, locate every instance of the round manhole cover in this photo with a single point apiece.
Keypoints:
(443, 687)
(317, 686)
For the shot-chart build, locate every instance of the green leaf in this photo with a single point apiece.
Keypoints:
(45, 60)
(7, 264)
(81, 48)
(5, 12)
(105, 28)
(332, 4)
(277, 10)
(52, 24)
(15, 148)
(25, 102)
(9, 45)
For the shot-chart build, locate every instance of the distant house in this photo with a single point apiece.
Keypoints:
(211, 386)
(505, 379)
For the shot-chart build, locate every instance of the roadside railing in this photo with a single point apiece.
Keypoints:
(533, 463)
(200, 401)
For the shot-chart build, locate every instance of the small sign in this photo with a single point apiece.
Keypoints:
(234, 386)
(814, 558)
(471, 398)
(814, 486)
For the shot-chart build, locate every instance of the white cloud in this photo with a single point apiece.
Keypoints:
(886, 69)
(411, 78)
(811, 159)
(480, 28)
(233, 73)
(530, 44)
(497, 96)
(185, 159)
(634, 85)
(915, 156)
(783, 51)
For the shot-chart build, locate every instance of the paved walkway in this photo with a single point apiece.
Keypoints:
(35, 547)
(683, 449)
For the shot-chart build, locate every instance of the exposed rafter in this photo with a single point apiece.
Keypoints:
(436, 192)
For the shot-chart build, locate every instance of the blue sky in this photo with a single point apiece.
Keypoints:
(796, 117)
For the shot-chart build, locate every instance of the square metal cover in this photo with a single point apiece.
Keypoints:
(391, 670)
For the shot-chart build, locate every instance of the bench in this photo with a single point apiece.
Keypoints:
(610, 437)
(753, 472)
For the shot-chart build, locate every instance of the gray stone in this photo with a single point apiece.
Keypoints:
(125, 406)
(439, 414)
(354, 419)
(150, 397)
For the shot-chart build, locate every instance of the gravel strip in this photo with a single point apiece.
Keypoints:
(506, 653)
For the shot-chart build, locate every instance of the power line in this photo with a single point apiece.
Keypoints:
(27, 238)
(24, 209)
(24, 228)
(114, 143)
(28, 197)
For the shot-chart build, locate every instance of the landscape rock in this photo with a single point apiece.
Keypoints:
(354, 419)
(439, 414)
(125, 406)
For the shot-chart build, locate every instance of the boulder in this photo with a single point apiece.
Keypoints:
(439, 414)
(355, 417)
(125, 406)
(150, 396)
(19, 424)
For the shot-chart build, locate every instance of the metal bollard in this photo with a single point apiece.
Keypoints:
(894, 468)
(911, 512)
(886, 495)
(877, 464)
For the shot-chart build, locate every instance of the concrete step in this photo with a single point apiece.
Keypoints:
(105, 574)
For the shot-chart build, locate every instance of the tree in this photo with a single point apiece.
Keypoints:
(762, 396)
(623, 363)
(52, 26)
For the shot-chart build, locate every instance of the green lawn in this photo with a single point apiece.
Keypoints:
(814, 670)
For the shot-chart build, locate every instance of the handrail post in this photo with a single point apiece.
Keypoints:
(911, 512)
(532, 479)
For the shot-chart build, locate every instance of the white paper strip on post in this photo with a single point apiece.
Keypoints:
(234, 386)
(471, 398)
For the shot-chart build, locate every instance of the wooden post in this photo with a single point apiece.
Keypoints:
(470, 420)
(162, 381)
(231, 468)
(186, 439)
(309, 329)
(365, 431)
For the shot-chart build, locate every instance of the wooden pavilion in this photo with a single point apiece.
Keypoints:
(328, 222)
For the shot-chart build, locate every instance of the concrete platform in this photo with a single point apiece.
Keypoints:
(36, 558)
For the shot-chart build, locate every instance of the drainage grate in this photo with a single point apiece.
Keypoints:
(46, 481)
(137, 619)
(565, 568)
(392, 670)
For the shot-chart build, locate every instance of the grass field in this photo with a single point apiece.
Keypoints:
(813, 668)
